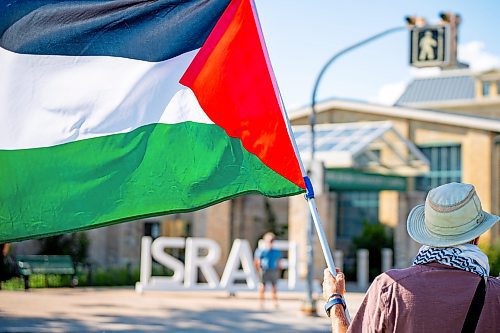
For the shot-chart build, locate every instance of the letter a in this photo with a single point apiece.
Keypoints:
(240, 253)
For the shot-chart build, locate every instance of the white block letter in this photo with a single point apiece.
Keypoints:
(293, 274)
(240, 253)
(205, 264)
(159, 254)
(145, 260)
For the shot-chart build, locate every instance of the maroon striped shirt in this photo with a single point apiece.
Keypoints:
(426, 298)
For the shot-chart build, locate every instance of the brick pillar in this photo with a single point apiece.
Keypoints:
(406, 248)
(219, 229)
(477, 170)
(326, 203)
(297, 224)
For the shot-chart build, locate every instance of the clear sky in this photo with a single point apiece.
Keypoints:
(302, 35)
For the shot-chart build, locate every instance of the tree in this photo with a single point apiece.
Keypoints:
(374, 238)
(76, 245)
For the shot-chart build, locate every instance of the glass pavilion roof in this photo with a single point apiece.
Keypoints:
(375, 146)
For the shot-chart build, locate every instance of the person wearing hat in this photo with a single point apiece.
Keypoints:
(447, 289)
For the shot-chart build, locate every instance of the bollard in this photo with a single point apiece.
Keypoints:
(362, 271)
(386, 259)
(338, 258)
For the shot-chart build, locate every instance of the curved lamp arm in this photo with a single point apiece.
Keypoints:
(312, 119)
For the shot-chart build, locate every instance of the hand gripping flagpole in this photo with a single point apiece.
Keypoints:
(309, 187)
(321, 234)
(311, 202)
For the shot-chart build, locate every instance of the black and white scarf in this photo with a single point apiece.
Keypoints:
(467, 257)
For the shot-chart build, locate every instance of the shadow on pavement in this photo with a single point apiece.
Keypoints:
(175, 320)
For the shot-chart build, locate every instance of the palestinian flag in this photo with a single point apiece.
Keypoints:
(117, 110)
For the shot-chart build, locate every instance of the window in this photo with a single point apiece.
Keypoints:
(177, 228)
(486, 88)
(355, 208)
(445, 167)
(152, 229)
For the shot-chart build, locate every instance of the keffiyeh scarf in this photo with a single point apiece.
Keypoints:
(467, 257)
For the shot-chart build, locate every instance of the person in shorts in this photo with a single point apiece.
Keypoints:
(267, 262)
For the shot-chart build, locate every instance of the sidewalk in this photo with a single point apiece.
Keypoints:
(124, 310)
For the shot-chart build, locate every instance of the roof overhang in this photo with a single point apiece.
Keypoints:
(438, 117)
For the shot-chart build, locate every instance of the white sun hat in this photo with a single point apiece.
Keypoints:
(452, 215)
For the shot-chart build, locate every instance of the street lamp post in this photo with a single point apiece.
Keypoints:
(310, 304)
(312, 118)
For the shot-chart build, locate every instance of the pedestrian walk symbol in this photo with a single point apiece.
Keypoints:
(426, 45)
(429, 46)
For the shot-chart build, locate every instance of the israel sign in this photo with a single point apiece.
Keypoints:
(185, 276)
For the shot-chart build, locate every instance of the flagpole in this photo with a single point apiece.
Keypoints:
(309, 195)
(309, 188)
(321, 234)
(313, 209)
(310, 198)
(311, 203)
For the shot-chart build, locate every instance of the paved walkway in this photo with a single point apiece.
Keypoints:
(124, 310)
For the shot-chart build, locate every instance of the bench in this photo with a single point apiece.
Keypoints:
(44, 264)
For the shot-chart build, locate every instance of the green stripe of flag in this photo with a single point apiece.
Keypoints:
(153, 170)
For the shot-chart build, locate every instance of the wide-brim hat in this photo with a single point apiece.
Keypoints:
(452, 215)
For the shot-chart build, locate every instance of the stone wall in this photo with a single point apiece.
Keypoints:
(406, 248)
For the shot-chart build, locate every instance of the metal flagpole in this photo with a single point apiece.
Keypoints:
(309, 306)
(321, 234)
(310, 198)
(310, 192)
(312, 204)
(319, 227)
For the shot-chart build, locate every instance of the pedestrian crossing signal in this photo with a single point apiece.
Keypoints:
(430, 46)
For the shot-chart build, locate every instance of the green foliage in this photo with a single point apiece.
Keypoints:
(13, 284)
(160, 270)
(119, 276)
(374, 238)
(123, 276)
(38, 281)
(493, 253)
(87, 277)
(76, 245)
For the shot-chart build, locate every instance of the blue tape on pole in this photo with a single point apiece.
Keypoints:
(309, 188)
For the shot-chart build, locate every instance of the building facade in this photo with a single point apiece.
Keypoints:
(456, 130)
(453, 119)
(374, 163)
